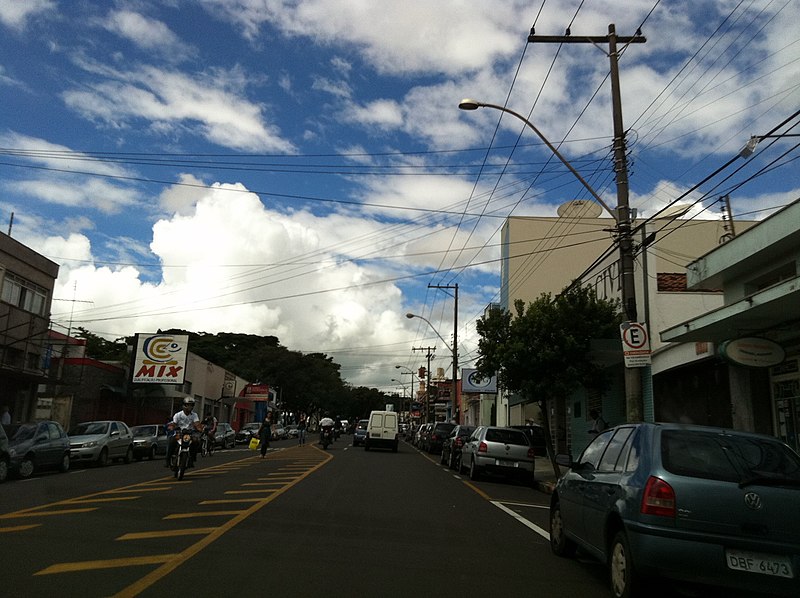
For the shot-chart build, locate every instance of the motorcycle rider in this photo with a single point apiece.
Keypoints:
(185, 418)
(325, 423)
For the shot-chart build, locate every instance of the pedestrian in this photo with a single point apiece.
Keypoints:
(265, 434)
(598, 423)
(301, 429)
(5, 418)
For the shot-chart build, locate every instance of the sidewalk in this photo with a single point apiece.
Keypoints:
(544, 476)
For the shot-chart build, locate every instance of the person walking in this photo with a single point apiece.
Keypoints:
(265, 434)
(598, 423)
(301, 429)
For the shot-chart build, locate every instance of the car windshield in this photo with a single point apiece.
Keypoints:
(144, 431)
(362, 425)
(728, 457)
(21, 433)
(506, 436)
(89, 428)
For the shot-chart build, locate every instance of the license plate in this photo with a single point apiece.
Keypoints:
(756, 562)
(504, 463)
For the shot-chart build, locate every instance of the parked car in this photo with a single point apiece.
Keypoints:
(498, 450)
(37, 446)
(248, 430)
(438, 432)
(149, 440)
(536, 437)
(5, 458)
(278, 432)
(421, 435)
(100, 442)
(360, 434)
(225, 436)
(690, 503)
(451, 447)
(292, 431)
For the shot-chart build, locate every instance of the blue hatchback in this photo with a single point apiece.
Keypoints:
(690, 503)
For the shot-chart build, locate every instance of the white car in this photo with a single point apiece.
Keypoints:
(100, 442)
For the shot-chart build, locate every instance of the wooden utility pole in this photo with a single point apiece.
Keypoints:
(634, 405)
(429, 356)
(454, 349)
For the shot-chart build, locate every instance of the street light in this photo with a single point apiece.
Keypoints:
(622, 217)
(453, 350)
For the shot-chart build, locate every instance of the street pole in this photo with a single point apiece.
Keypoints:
(454, 349)
(429, 356)
(634, 405)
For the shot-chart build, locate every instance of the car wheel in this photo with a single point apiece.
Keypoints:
(26, 467)
(128, 455)
(621, 573)
(474, 474)
(559, 543)
(3, 470)
(442, 460)
(102, 458)
(153, 451)
(64, 465)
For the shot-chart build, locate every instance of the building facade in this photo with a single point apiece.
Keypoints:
(27, 280)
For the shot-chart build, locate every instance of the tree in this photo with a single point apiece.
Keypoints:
(542, 352)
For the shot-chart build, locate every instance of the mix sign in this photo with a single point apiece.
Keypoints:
(160, 358)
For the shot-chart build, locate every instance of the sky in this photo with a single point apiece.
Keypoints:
(301, 168)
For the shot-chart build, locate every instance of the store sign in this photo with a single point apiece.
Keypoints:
(471, 382)
(753, 352)
(160, 358)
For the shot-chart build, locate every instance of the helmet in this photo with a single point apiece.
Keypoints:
(188, 401)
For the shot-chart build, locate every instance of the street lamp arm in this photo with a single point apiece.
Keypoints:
(468, 104)
(446, 344)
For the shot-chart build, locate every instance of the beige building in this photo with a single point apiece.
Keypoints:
(546, 254)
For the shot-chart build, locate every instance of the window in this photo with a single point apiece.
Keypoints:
(611, 460)
(24, 294)
(591, 454)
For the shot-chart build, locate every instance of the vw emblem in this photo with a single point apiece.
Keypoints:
(753, 501)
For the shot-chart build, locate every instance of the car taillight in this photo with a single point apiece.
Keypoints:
(459, 442)
(435, 437)
(483, 447)
(531, 453)
(658, 498)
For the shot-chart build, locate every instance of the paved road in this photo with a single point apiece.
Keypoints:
(359, 523)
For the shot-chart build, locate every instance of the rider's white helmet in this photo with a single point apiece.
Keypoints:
(188, 402)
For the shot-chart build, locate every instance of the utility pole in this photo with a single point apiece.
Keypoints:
(634, 405)
(429, 356)
(454, 391)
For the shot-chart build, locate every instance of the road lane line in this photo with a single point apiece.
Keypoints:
(522, 520)
(177, 560)
(258, 491)
(106, 564)
(22, 514)
(480, 492)
(202, 514)
(18, 528)
(167, 533)
(83, 501)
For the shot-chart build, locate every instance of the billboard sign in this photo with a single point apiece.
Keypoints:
(471, 382)
(160, 358)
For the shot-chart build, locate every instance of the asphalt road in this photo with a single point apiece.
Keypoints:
(353, 522)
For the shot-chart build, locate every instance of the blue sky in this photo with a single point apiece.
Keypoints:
(301, 169)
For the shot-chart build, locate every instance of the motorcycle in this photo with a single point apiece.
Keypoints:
(206, 445)
(326, 437)
(182, 455)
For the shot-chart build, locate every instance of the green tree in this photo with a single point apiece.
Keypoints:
(542, 351)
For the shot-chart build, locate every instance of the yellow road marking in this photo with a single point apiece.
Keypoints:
(478, 491)
(135, 489)
(168, 567)
(202, 514)
(107, 564)
(262, 490)
(20, 514)
(80, 501)
(229, 500)
(18, 528)
(167, 533)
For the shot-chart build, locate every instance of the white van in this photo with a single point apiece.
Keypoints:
(382, 430)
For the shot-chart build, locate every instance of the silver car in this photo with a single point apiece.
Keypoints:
(499, 450)
(149, 440)
(100, 442)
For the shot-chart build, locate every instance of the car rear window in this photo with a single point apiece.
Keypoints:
(727, 457)
(506, 436)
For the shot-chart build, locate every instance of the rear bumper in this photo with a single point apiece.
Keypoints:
(702, 559)
(494, 465)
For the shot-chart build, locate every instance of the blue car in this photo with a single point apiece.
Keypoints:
(360, 433)
(695, 504)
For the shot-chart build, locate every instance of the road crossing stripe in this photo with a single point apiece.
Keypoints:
(18, 528)
(251, 491)
(167, 533)
(107, 564)
(202, 514)
(21, 514)
(83, 501)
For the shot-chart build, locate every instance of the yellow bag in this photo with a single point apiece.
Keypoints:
(254, 442)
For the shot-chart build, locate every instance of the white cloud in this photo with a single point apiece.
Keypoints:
(17, 15)
(149, 34)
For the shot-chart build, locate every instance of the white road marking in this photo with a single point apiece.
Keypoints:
(544, 534)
